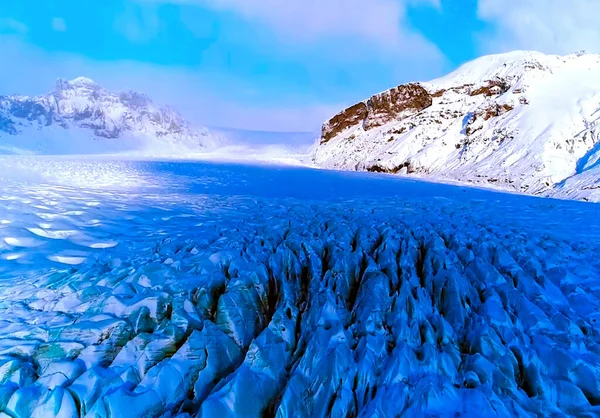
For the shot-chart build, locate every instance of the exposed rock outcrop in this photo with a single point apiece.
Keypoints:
(391, 105)
(380, 109)
(352, 116)
(485, 113)
(492, 88)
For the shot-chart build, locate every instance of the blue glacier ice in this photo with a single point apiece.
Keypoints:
(182, 289)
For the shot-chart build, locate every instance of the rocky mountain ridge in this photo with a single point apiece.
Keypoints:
(523, 121)
(82, 115)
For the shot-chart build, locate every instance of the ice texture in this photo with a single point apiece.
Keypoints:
(208, 290)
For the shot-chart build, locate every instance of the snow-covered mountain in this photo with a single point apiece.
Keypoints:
(522, 120)
(81, 117)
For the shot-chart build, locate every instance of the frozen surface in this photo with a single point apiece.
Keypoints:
(148, 289)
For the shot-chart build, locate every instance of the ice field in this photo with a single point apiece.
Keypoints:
(180, 289)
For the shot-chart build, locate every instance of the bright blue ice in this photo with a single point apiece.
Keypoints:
(159, 289)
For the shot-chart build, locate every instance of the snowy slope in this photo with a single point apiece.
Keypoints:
(521, 120)
(81, 117)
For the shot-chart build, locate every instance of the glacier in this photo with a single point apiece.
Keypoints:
(182, 289)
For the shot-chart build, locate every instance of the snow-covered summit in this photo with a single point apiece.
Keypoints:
(522, 120)
(80, 116)
(510, 64)
(79, 82)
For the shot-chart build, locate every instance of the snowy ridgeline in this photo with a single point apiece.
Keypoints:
(81, 117)
(162, 302)
(523, 121)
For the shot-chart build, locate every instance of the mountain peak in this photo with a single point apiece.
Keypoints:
(514, 64)
(76, 83)
(81, 105)
(82, 81)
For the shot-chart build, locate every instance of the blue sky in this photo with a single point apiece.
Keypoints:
(270, 64)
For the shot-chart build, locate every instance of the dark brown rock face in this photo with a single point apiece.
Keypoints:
(385, 107)
(486, 113)
(379, 110)
(349, 117)
(493, 88)
(395, 170)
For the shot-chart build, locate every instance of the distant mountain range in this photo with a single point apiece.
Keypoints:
(80, 116)
(522, 120)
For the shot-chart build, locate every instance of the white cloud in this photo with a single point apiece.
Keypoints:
(12, 26)
(382, 23)
(138, 24)
(553, 26)
(342, 33)
(58, 24)
(314, 18)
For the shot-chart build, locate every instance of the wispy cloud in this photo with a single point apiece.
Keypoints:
(12, 26)
(59, 24)
(555, 26)
(383, 23)
(345, 36)
(139, 24)
(310, 19)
